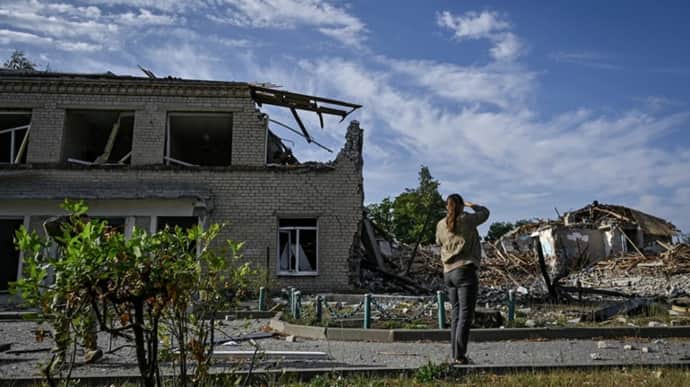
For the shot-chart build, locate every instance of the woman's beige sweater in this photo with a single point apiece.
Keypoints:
(462, 246)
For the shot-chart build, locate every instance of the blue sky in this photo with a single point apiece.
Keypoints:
(522, 106)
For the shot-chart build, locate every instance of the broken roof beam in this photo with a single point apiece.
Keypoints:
(263, 95)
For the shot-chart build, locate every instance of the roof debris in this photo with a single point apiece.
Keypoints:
(294, 101)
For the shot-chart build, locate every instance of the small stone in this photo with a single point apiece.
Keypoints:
(628, 347)
(603, 345)
(659, 341)
(290, 339)
(522, 290)
(530, 323)
(621, 319)
(575, 320)
(645, 350)
(595, 356)
(653, 324)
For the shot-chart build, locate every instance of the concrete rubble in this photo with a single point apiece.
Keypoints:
(600, 251)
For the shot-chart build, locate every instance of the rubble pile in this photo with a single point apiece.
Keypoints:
(602, 247)
(424, 278)
(505, 270)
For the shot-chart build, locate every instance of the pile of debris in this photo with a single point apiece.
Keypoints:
(508, 270)
(599, 246)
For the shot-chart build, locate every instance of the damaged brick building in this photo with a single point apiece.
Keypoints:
(150, 152)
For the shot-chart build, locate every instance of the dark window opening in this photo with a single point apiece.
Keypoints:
(297, 246)
(184, 222)
(9, 255)
(279, 153)
(199, 139)
(116, 224)
(98, 136)
(14, 136)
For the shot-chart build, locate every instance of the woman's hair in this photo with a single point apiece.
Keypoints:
(455, 206)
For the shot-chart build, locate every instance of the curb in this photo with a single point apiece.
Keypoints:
(476, 335)
(305, 374)
(5, 316)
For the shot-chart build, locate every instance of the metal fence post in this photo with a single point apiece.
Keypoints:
(291, 301)
(317, 309)
(511, 306)
(367, 311)
(262, 299)
(441, 301)
(298, 305)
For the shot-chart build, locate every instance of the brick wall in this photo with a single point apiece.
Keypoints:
(249, 196)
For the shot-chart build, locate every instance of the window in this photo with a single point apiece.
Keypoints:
(98, 136)
(184, 222)
(14, 136)
(297, 246)
(198, 139)
(9, 255)
(116, 224)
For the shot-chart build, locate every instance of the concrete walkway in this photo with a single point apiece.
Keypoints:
(343, 354)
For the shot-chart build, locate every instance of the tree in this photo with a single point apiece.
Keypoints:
(411, 215)
(497, 230)
(382, 214)
(18, 61)
(146, 288)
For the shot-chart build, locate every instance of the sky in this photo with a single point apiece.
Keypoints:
(523, 106)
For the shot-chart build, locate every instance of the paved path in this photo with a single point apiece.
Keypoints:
(358, 354)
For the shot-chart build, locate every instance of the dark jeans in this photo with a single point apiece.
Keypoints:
(463, 286)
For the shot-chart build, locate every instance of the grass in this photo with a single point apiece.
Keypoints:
(443, 375)
(431, 375)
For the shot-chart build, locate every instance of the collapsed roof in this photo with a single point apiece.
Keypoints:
(602, 214)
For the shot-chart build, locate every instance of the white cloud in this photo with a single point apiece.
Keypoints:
(585, 58)
(8, 37)
(511, 159)
(330, 20)
(78, 28)
(506, 87)
(473, 25)
(484, 25)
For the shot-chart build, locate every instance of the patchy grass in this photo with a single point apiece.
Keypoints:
(444, 375)
(440, 376)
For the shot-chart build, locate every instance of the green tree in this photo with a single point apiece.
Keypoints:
(411, 216)
(382, 214)
(18, 61)
(141, 288)
(497, 230)
(415, 211)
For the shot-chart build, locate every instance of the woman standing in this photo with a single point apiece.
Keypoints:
(460, 252)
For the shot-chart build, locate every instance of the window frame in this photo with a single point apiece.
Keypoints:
(13, 135)
(281, 229)
(169, 160)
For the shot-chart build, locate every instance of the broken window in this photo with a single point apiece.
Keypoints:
(98, 136)
(297, 246)
(278, 152)
(14, 136)
(198, 139)
(9, 255)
